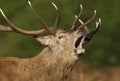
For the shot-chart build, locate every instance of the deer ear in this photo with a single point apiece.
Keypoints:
(46, 40)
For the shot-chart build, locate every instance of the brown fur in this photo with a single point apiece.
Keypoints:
(38, 68)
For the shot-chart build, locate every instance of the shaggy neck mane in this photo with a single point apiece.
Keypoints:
(48, 65)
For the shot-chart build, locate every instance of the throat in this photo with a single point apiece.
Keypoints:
(54, 64)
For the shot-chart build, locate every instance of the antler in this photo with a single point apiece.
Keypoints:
(14, 28)
(97, 26)
(89, 21)
(76, 19)
(83, 25)
(86, 28)
(56, 24)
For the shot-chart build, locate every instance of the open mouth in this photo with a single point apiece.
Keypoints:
(87, 37)
(87, 34)
(80, 40)
(77, 43)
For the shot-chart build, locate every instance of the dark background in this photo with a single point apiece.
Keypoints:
(104, 48)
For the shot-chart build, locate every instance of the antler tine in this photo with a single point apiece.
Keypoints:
(89, 21)
(14, 28)
(39, 19)
(97, 26)
(76, 19)
(56, 24)
(82, 24)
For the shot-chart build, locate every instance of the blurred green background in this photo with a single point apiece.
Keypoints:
(104, 48)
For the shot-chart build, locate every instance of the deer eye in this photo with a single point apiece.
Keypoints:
(60, 37)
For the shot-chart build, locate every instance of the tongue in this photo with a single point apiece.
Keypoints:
(80, 50)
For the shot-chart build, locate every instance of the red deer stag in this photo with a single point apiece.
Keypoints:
(57, 59)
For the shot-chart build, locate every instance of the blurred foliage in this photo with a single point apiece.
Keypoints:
(102, 50)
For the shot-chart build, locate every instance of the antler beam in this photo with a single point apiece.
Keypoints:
(47, 29)
(17, 29)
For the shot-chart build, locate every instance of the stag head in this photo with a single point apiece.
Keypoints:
(62, 43)
(72, 40)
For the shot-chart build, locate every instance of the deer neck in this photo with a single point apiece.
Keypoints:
(56, 62)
